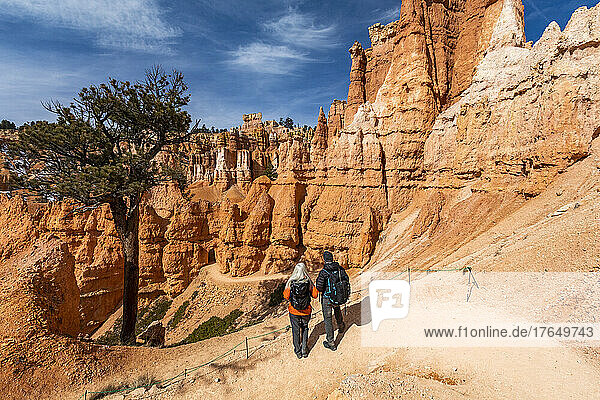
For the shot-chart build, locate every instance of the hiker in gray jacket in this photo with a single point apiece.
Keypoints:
(334, 285)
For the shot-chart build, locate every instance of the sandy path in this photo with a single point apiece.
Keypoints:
(216, 276)
(273, 371)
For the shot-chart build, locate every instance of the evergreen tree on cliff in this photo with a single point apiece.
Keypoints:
(103, 149)
(6, 124)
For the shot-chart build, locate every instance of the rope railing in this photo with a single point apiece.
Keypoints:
(87, 394)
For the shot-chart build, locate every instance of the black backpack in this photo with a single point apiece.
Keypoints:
(338, 287)
(300, 294)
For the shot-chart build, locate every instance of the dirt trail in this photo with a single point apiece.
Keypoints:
(218, 277)
(355, 371)
(536, 236)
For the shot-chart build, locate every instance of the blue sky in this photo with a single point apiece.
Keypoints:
(279, 57)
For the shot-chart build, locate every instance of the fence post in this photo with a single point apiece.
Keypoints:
(85, 395)
(185, 372)
(247, 352)
(408, 274)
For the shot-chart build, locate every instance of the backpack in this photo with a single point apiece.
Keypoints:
(300, 295)
(338, 287)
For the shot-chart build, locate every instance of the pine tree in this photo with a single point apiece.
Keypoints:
(102, 150)
(6, 124)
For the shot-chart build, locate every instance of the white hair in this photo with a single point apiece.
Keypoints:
(300, 274)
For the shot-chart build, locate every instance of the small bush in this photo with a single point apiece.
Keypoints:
(112, 337)
(277, 295)
(194, 295)
(155, 312)
(146, 380)
(146, 315)
(215, 326)
(178, 315)
(270, 172)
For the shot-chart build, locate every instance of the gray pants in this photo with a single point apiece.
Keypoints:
(300, 333)
(328, 307)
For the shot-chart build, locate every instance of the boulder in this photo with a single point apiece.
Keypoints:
(154, 335)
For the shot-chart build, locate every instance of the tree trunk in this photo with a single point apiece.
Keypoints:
(127, 224)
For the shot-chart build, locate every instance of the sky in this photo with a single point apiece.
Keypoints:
(279, 57)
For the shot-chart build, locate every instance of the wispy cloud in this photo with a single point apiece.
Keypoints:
(284, 44)
(266, 58)
(28, 82)
(385, 16)
(538, 12)
(300, 30)
(117, 24)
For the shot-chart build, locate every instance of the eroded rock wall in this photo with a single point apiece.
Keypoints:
(175, 236)
(466, 103)
(374, 165)
(39, 291)
(451, 114)
(90, 240)
(528, 114)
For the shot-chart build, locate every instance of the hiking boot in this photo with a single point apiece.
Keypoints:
(329, 346)
(299, 355)
(305, 355)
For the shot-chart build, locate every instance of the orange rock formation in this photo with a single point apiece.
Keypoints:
(449, 102)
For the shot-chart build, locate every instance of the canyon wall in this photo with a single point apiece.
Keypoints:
(175, 238)
(448, 103)
(502, 128)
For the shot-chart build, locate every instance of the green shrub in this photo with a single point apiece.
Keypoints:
(270, 172)
(146, 315)
(145, 380)
(155, 312)
(111, 337)
(277, 295)
(215, 326)
(178, 314)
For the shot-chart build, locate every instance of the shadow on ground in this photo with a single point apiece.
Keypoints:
(358, 314)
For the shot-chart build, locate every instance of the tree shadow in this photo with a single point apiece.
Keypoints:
(358, 314)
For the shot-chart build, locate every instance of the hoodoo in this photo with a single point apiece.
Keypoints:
(453, 121)
(415, 128)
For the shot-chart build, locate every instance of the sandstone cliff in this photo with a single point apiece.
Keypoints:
(502, 126)
(529, 113)
(451, 119)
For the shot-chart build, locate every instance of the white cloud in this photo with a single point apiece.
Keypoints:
(28, 82)
(286, 46)
(265, 58)
(386, 16)
(393, 14)
(300, 30)
(118, 24)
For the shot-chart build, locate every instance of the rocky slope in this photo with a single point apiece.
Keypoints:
(39, 302)
(449, 106)
(527, 114)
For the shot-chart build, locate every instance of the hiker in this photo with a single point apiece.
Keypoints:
(298, 290)
(334, 285)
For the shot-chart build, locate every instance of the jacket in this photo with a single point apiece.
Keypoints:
(305, 312)
(328, 269)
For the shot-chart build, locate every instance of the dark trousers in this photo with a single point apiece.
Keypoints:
(300, 333)
(328, 307)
